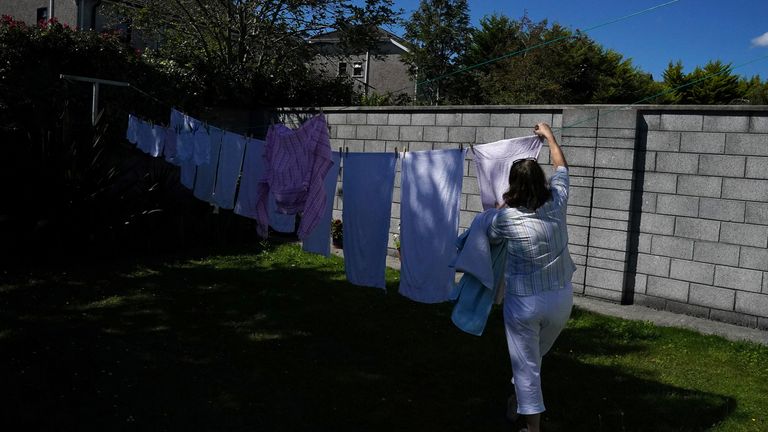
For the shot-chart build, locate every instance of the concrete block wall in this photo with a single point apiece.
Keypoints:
(706, 218)
(668, 205)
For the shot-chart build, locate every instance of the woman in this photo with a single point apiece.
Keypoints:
(539, 295)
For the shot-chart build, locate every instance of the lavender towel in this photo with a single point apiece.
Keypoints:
(429, 222)
(493, 162)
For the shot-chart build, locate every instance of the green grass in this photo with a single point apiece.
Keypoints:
(277, 340)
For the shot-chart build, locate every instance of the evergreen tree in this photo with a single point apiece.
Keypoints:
(713, 84)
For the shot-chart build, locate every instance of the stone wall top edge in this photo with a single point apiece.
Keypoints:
(556, 108)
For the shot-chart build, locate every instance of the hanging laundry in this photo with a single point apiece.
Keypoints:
(368, 182)
(493, 162)
(429, 222)
(253, 172)
(203, 152)
(296, 162)
(205, 181)
(170, 144)
(319, 239)
(230, 163)
(150, 138)
(131, 133)
(179, 121)
(185, 145)
(282, 223)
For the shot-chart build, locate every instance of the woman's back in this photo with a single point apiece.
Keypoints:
(537, 242)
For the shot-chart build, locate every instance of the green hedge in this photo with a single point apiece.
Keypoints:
(69, 188)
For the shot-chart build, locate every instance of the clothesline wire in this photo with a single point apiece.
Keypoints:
(659, 94)
(667, 91)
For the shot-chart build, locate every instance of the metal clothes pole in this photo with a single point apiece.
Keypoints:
(96, 82)
(95, 104)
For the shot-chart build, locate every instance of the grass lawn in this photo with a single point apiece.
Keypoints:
(278, 341)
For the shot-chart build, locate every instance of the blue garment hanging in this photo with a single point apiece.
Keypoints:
(368, 182)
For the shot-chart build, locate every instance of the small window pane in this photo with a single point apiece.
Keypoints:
(42, 14)
(342, 68)
(357, 69)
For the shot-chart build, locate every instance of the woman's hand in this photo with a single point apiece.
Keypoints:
(543, 130)
(556, 154)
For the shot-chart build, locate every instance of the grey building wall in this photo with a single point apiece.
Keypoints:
(668, 205)
(385, 72)
(26, 10)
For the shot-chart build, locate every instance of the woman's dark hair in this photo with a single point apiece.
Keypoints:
(527, 185)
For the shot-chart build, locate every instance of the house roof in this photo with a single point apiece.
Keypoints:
(381, 34)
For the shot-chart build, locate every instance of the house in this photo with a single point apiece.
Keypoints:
(81, 14)
(379, 70)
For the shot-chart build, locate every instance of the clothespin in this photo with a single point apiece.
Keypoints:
(346, 150)
(471, 147)
(396, 153)
(461, 146)
(341, 154)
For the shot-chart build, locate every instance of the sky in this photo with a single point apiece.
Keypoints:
(693, 31)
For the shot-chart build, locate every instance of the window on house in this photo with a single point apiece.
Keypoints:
(42, 14)
(357, 69)
(342, 68)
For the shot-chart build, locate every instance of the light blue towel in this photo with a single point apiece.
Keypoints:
(368, 182)
(205, 181)
(429, 223)
(253, 172)
(230, 163)
(319, 240)
(483, 267)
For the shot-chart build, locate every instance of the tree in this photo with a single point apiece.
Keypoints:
(526, 62)
(713, 84)
(252, 51)
(754, 91)
(439, 33)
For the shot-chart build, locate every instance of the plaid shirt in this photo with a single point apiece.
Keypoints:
(537, 242)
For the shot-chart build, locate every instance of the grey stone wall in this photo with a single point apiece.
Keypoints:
(668, 205)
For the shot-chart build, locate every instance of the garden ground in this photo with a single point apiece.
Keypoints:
(276, 340)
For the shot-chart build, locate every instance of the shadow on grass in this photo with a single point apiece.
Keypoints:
(243, 343)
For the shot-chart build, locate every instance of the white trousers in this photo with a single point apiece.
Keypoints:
(532, 323)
